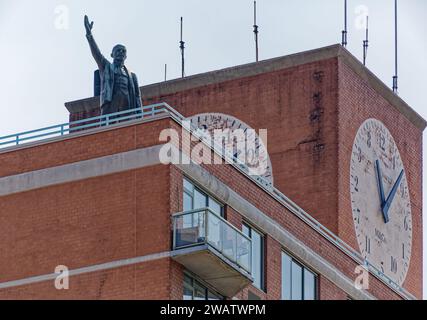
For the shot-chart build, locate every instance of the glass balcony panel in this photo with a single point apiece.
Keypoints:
(244, 252)
(229, 242)
(189, 229)
(206, 227)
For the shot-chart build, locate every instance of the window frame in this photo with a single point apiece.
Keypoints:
(304, 269)
(250, 227)
(196, 281)
(203, 192)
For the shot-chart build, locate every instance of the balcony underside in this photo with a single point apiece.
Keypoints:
(214, 268)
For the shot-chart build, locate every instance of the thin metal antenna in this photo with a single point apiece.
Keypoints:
(166, 72)
(256, 33)
(366, 42)
(395, 78)
(345, 32)
(182, 47)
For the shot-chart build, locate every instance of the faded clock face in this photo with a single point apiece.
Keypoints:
(380, 201)
(256, 155)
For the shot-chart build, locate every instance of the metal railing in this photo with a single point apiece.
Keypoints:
(155, 110)
(204, 227)
(86, 124)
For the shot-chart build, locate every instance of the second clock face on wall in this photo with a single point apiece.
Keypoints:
(256, 155)
(380, 201)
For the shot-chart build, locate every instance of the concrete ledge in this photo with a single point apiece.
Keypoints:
(80, 170)
(84, 270)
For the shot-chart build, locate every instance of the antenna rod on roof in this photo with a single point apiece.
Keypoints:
(166, 71)
(182, 47)
(395, 78)
(344, 32)
(256, 33)
(366, 42)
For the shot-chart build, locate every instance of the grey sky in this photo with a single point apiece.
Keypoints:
(44, 66)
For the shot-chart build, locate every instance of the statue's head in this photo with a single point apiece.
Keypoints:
(119, 53)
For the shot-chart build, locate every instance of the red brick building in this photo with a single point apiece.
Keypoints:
(100, 202)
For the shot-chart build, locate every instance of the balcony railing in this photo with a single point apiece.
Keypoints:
(204, 227)
(63, 129)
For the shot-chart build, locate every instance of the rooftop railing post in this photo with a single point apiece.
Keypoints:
(17, 139)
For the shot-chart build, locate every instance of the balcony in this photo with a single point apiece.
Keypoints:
(213, 249)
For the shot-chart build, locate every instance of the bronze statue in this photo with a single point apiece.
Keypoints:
(119, 87)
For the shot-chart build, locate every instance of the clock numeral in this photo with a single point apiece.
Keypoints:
(367, 244)
(369, 141)
(405, 223)
(359, 154)
(393, 265)
(356, 183)
(402, 189)
(382, 142)
(403, 251)
(394, 163)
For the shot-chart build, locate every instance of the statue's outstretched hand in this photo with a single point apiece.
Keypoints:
(88, 26)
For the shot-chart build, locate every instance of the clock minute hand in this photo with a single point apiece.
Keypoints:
(381, 190)
(393, 191)
(380, 182)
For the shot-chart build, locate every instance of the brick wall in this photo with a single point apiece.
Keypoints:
(298, 106)
(358, 101)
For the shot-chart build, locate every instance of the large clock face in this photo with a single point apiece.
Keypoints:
(380, 201)
(256, 156)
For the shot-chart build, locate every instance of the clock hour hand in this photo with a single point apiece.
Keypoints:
(381, 190)
(393, 191)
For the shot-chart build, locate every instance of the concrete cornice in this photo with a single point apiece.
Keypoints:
(270, 65)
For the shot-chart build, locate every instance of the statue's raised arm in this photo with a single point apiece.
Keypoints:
(97, 55)
(119, 86)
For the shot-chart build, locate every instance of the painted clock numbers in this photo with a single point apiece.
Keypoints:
(380, 201)
(255, 155)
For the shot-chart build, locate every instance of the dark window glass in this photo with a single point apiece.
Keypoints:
(199, 291)
(298, 283)
(188, 186)
(309, 285)
(215, 206)
(200, 200)
(257, 255)
(213, 296)
(286, 277)
(196, 199)
(194, 290)
(188, 288)
(188, 202)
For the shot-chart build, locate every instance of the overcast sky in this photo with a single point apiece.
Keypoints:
(46, 60)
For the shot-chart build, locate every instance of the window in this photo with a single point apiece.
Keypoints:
(298, 283)
(194, 198)
(257, 255)
(194, 290)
